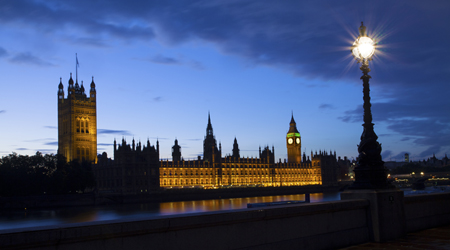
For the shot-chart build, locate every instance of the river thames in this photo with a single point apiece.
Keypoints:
(63, 216)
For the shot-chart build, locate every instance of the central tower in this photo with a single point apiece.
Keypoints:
(293, 143)
(210, 144)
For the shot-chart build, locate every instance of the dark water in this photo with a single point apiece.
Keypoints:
(63, 216)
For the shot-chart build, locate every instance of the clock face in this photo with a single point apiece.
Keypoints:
(290, 140)
(297, 140)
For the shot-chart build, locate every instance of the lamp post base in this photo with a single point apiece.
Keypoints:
(386, 212)
(371, 178)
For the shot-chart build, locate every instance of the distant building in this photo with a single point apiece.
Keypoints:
(77, 122)
(406, 157)
(393, 164)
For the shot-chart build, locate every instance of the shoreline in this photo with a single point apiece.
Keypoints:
(93, 199)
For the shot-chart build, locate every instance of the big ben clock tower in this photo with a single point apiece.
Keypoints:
(293, 143)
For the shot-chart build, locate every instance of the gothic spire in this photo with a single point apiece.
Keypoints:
(209, 129)
(293, 125)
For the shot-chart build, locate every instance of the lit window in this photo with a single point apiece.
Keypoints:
(78, 125)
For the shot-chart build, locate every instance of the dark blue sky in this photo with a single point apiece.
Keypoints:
(160, 66)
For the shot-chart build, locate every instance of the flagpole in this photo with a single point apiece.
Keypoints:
(76, 67)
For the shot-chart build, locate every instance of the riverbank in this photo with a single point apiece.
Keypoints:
(91, 199)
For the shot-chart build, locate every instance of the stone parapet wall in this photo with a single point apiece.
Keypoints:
(326, 225)
(427, 211)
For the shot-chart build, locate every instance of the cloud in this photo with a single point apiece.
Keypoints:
(28, 58)
(53, 143)
(89, 41)
(400, 156)
(304, 37)
(167, 60)
(105, 144)
(310, 39)
(159, 138)
(111, 131)
(157, 99)
(3, 52)
(46, 151)
(40, 140)
(196, 65)
(164, 60)
(51, 127)
(21, 149)
(327, 106)
(100, 19)
(431, 150)
(421, 122)
(2, 111)
(386, 154)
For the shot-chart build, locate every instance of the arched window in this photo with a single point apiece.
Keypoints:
(78, 125)
(87, 126)
(82, 125)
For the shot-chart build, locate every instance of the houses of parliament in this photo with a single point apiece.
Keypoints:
(137, 168)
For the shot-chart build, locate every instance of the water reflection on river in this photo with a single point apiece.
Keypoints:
(44, 217)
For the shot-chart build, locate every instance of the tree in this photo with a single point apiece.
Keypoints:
(40, 174)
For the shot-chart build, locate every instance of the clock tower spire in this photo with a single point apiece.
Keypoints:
(293, 143)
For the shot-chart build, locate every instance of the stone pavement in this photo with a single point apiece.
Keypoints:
(430, 239)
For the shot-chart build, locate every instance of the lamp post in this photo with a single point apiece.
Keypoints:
(370, 172)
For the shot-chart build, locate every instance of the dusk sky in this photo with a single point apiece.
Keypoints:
(161, 66)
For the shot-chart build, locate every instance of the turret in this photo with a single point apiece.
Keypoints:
(70, 88)
(236, 153)
(60, 90)
(176, 152)
(82, 89)
(93, 92)
(157, 146)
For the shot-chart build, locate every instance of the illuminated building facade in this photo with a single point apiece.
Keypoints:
(77, 122)
(133, 171)
(215, 170)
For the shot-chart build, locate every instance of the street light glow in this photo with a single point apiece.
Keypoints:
(363, 48)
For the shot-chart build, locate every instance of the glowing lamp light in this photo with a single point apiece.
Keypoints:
(363, 48)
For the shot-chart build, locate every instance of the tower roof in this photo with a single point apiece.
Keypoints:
(293, 126)
(209, 127)
(60, 83)
(92, 83)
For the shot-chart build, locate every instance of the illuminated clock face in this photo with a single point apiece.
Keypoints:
(297, 140)
(290, 140)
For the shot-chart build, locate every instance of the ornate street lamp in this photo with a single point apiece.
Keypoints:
(370, 172)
